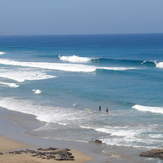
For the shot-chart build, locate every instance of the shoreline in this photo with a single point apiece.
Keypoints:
(15, 124)
(13, 128)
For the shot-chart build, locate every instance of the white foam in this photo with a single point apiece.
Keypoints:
(124, 142)
(75, 58)
(157, 136)
(129, 137)
(23, 74)
(159, 65)
(36, 91)
(103, 130)
(24, 106)
(117, 131)
(13, 85)
(42, 112)
(52, 66)
(2, 53)
(148, 109)
(117, 68)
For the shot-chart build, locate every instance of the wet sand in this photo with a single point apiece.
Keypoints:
(13, 125)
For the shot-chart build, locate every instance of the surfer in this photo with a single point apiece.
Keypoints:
(99, 108)
(107, 110)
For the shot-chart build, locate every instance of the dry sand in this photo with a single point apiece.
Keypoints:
(7, 145)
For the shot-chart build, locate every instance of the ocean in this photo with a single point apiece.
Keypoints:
(63, 80)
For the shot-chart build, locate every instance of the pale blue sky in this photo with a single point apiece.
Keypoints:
(81, 16)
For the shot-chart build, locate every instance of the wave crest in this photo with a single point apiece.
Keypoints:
(148, 109)
(149, 63)
(2, 53)
(75, 59)
(159, 65)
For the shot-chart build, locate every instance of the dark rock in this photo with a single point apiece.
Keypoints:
(51, 157)
(71, 157)
(69, 153)
(1, 153)
(98, 141)
(33, 152)
(48, 153)
(17, 152)
(52, 153)
(51, 148)
(155, 153)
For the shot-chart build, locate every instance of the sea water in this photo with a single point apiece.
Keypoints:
(62, 80)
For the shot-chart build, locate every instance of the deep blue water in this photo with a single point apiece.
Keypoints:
(63, 79)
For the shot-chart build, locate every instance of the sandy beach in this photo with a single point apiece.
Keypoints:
(12, 138)
(7, 145)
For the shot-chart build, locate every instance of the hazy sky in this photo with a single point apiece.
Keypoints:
(81, 16)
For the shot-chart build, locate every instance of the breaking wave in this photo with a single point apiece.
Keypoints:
(159, 65)
(148, 109)
(75, 59)
(2, 53)
(146, 63)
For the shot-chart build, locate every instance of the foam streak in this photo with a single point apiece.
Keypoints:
(117, 68)
(13, 85)
(53, 66)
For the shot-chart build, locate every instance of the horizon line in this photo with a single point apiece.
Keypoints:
(22, 34)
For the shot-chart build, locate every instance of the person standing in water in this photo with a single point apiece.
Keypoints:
(107, 110)
(99, 108)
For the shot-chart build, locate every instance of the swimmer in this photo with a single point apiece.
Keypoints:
(107, 110)
(99, 108)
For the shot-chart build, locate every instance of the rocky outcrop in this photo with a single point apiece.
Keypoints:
(48, 153)
(155, 153)
(98, 141)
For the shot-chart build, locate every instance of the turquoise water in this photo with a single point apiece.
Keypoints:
(63, 79)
